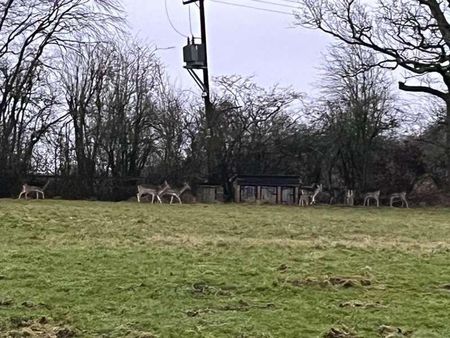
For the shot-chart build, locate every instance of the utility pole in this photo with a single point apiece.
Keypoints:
(196, 57)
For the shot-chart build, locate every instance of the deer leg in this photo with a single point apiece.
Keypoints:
(406, 203)
(179, 199)
(378, 202)
(159, 199)
(138, 197)
(153, 198)
(171, 199)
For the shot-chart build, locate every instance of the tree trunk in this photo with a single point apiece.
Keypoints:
(447, 144)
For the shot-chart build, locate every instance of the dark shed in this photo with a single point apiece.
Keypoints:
(266, 188)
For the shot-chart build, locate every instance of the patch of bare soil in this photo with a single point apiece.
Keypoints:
(341, 332)
(203, 289)
(387, 331)
(344, 282)
(360, 304)
(6, 302)
(40, 328)
(198, 312)
(243, 305)
(283, 268)
(135, 334)
(240, 305)
(445, 287)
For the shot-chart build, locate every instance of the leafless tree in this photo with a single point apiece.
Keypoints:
(249, 120)
(31, 31)
(411, 34)
(357, 108)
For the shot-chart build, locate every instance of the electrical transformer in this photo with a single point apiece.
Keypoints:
(194, 56)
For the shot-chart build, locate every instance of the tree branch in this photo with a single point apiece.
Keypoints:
(423, 89)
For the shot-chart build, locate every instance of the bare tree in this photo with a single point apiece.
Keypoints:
(249, 122)
(411, 34)
(30, 33)
(357, 108)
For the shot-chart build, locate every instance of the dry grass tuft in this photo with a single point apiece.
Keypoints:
(340, 332)
(41, 328)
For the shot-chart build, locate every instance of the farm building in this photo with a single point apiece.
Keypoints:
(264, 188)
(209, 193)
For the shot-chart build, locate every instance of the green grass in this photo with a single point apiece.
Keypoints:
(122, 269)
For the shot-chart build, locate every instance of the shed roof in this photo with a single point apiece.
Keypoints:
(267, 180)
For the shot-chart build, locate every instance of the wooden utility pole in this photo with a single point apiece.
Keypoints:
(200, 61)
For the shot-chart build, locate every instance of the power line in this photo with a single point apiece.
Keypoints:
(171, 24)
(291, 1)
(274, 3)
(252, 7)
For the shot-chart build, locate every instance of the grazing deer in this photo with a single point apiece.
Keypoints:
(374, 195)
(155, 192)
(177, 193)
(31, 188)
(401, 196)
(350, 197)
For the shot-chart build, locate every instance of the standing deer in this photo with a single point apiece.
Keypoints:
(304, 198)
(177, 193)
(401, 196)
(350, 197)
(26, 189)
(372, 195)
(155, 192)
(306, 194)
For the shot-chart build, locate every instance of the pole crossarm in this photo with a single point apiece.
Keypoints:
(197, 79)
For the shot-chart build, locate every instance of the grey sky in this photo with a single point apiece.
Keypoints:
(240, 41)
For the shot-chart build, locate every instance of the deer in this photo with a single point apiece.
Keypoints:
(401, 196)
(372, 195)
(26, 188)
(306, 194)
(304, 198)
(350, 197)
(155, 192)
(177, 193)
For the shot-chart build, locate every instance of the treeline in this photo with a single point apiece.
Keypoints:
(91, 111)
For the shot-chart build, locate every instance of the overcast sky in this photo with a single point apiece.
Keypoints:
(240, 40)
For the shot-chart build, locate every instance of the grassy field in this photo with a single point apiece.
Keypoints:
(129, 270)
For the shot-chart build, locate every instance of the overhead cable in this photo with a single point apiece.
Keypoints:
(252, 7)
(171, 23)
